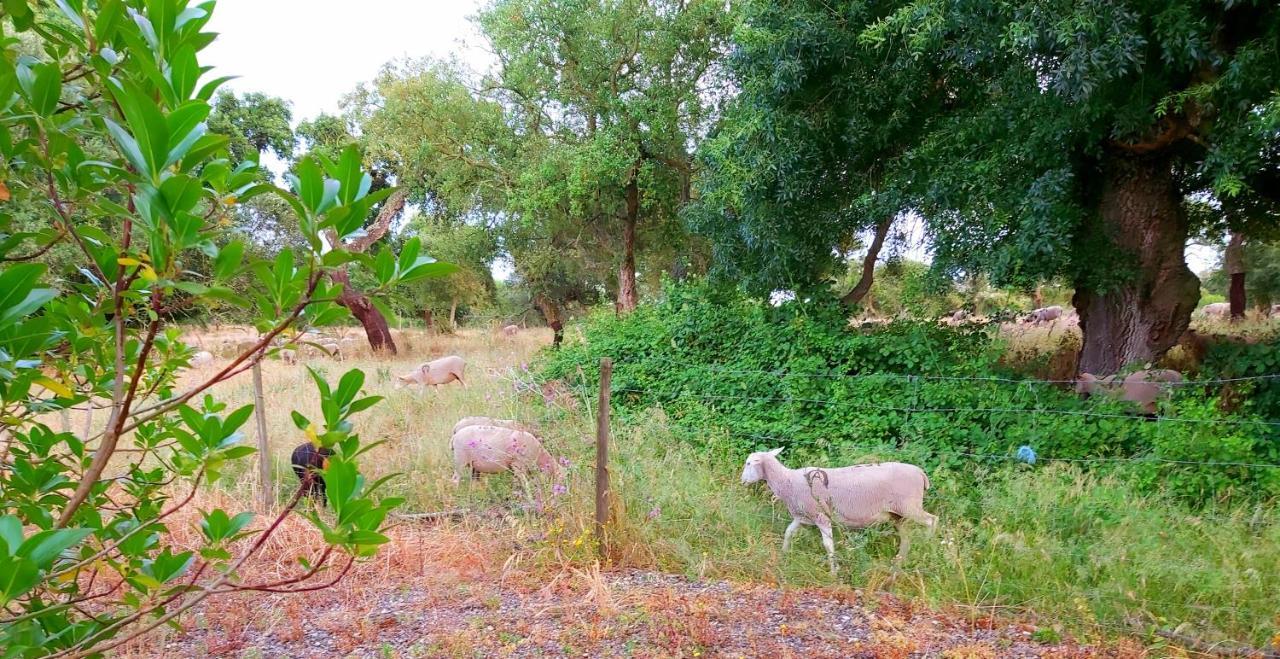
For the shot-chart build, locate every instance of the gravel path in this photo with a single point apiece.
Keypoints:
(589, 614)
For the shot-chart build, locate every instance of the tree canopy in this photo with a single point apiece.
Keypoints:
(1037, 139)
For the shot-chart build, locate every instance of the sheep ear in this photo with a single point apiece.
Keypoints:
(776, 451)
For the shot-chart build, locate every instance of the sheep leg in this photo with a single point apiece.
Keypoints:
(904, 542)
(824, 526)
(791, 531)
(459, 379)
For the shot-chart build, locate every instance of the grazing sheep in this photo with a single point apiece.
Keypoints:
(1140, 387)
(334, 349)
(435, 372)
(307, 461)
(1044, 315)
(201, 359)
(493, 449)
(289, 356)
(856, 496)
(1217, 310)
(467, 421)
(510, 330)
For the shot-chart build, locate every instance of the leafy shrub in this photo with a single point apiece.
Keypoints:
(797, 375)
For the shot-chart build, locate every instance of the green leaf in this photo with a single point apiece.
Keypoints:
(228, 260)
(43, 547)
(44, 89)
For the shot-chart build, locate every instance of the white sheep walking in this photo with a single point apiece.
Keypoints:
(856, 496)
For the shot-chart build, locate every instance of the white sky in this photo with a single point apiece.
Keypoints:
(312, 52)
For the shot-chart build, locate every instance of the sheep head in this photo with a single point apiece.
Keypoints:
(752, 470)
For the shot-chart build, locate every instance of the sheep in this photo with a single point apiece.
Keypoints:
(856, 496)
(1044, 315)
(1275, 311)
(467, 421)
(435, 372)
(493, 449)
(307, 461)
(1140, 387)
(510, 330)
(1217, 310)
(333, 348)
(201, 359)
(289, 356)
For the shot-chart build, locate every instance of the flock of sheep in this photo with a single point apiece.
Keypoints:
(855, 496)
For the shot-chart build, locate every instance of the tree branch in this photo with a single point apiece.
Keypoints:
(863, 286)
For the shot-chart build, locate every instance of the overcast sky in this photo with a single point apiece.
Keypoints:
(311, 52)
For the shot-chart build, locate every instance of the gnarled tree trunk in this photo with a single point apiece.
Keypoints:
(863, 286)
(375, 325)
(1140, 319)
(551, 313)
(1234, 258)
(627, 296)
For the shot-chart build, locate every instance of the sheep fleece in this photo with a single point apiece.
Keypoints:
(491, 449)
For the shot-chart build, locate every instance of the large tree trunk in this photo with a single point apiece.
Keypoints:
(627, 296)
(375, 326)
(1235, 268)
(863, 286)
(1141, 318)
(551, 313)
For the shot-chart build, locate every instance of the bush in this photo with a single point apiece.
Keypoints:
(797, 375)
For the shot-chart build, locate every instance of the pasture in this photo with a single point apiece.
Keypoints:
(1063, 552)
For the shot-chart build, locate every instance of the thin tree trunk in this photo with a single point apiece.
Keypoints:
(430, 320)
(1235, 268)
(863, 286)
(1037, 297)
(453, 313)
(375, 325)
(627, 296)
(1138, 320)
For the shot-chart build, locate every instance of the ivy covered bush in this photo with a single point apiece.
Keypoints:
(736, 374)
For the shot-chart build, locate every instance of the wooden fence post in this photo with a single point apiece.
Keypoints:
(602, 458)
(267, 491)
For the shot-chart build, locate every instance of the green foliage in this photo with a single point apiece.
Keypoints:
(253, 124)
(995, 123)
(799, 376)
(106, 149)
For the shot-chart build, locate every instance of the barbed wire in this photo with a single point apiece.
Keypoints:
(779, 372)
(959, 410)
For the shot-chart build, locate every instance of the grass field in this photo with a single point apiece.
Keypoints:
(1076, 554)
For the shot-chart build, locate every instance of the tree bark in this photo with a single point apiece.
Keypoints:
(453, 314)
(863, 286)
(430, 320)
(1037, 297)
(627, 297)
(1140, 319)
(551, 313)
(375, 325)
(1235, 268)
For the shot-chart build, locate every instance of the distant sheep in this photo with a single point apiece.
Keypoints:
(201, 359)
(435, 372)
(493, 449)
(1143, 388)
(307, 461)
(857, 496)
(1218, 310)
(510, 330)
(1044, 315)
(1275, 311)
(333, 349)
(289, 356)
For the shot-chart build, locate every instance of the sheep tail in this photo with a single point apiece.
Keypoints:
(926, 479)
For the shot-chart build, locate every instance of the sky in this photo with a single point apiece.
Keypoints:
(312, 52)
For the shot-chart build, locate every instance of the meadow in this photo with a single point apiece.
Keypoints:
(1073, 553)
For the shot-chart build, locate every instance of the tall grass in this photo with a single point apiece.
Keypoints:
(1086, 554)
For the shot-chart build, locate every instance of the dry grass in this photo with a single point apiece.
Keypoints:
(516, 575)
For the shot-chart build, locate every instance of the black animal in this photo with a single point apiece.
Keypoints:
(307, 462)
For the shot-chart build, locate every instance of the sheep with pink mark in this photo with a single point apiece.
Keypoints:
(857, 496)
(487, 449)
